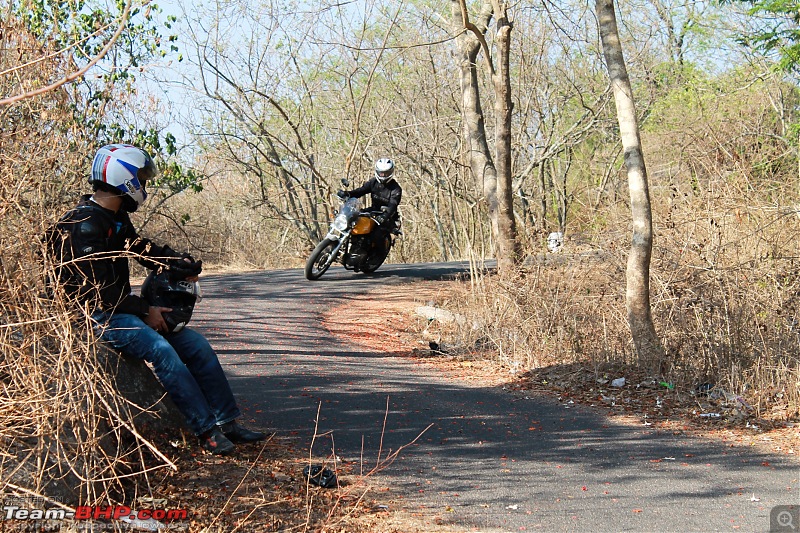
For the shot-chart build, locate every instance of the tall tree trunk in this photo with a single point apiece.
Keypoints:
(495, 181)
(648, 347)
(507, 242)
(480, 160)
(540, 226)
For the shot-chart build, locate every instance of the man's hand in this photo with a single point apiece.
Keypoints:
(341, 194)
(155, 320)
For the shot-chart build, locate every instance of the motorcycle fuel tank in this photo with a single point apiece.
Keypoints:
(364, 225)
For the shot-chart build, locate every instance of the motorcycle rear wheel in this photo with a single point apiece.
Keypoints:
(320, 259)
(374, 262)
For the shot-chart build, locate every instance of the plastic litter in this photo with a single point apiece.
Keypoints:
(619, 382)
(320, 476)
(555, 241)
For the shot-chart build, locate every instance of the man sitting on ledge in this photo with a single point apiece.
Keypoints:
(99, 236)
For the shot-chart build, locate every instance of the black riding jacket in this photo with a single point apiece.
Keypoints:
(100, 243)
(383, 194)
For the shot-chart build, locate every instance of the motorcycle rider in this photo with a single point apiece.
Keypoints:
(385, 192)
(100, 237)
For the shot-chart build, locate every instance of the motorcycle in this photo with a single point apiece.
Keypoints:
(352, 241)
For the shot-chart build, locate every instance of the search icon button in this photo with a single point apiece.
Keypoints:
(785, 519)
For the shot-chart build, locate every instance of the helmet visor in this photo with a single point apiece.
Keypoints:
(146, 173)
(383, 173)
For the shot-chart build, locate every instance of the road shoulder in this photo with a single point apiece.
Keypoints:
(386, 320)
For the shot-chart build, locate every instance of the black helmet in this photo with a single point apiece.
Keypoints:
(161, 289)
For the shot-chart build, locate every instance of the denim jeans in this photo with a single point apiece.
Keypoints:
(184, 362)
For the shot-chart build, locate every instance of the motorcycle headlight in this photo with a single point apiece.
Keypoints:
(340, 222)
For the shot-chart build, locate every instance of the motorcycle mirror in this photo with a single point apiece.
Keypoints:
(345, 182)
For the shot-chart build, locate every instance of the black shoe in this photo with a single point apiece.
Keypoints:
(238, 434)
(215, 442)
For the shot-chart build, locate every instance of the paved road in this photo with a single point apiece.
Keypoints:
(492, 461)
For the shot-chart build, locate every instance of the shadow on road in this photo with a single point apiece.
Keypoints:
(483, 457)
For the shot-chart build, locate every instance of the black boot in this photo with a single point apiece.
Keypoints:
(215, 442)
(238, 434)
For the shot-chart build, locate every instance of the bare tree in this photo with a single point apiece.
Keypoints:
(645, 339)
(679, 20)
(493, 174)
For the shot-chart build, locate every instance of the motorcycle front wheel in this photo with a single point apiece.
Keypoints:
(320, 259)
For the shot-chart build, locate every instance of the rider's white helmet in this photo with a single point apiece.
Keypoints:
(384, 169)
(125, 168)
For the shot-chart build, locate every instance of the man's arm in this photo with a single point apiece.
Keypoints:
(364, 189)
(395, 195)
(147, 253)
(94, 264)
(152, 256)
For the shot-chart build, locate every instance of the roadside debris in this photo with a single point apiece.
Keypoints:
(555, 241)
(444, 316)
(320, 476)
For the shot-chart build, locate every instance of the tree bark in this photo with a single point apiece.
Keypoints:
(645, 340)
(507, 242)
(474, 127)
(495, 181)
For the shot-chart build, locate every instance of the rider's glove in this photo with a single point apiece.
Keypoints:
(185, 267)
(380, 219)
(341, 194)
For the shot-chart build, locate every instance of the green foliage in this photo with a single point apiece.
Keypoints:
(780, 33)
(731, 132)
(81, 28)
(172, 175)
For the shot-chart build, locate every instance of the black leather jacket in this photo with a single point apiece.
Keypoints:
(100, 242)
(383, 194)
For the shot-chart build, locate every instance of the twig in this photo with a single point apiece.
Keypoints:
(75, 75)
(241, 481)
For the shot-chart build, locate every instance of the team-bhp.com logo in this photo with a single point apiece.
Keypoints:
(86, 512)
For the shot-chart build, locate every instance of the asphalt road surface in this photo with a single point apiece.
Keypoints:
(491, 460)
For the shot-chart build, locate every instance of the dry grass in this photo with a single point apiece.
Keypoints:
(62, 421)
(67, 436)
(725, 297)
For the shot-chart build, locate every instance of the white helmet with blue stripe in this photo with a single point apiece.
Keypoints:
(126, 169)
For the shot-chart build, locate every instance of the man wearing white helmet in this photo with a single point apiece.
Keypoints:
(385, 192)
(100, 237)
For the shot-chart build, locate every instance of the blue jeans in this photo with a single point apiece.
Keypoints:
(184, 362)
